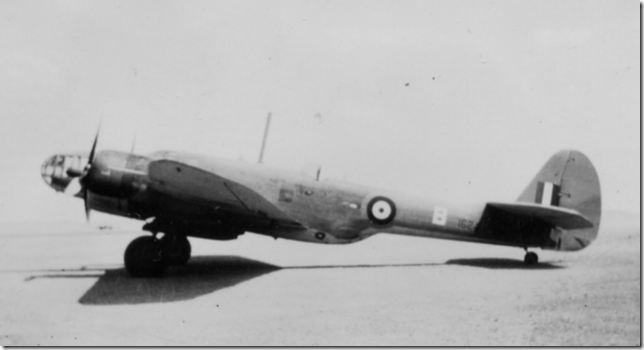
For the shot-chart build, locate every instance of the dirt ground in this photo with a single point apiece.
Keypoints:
(65, 285)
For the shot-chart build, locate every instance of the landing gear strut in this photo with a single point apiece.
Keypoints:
(531, 258)
(148, 256)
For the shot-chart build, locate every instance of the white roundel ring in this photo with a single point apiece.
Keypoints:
(381, 210)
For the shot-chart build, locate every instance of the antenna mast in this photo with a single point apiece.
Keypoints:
(268, 124)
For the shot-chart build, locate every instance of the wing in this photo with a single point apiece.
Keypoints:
(556, 216)
(206, 189)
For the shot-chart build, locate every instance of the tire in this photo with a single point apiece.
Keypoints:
(144, 257)
(531, 258)
(176, 249)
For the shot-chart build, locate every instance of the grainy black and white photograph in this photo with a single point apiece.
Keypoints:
(320, 173)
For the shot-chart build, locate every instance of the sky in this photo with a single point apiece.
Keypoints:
(461, 101)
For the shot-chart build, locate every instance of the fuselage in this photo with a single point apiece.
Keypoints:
(339, 210)
(218, 198)
(332, 211)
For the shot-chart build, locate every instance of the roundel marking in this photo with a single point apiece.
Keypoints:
(381, 210)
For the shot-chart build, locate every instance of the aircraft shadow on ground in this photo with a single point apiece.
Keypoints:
(202, 275)
(207, 274)
(499, 263)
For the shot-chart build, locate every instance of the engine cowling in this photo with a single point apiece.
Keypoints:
(115, 181)
(117, 174)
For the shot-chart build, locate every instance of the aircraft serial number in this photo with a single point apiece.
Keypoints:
(466, 224)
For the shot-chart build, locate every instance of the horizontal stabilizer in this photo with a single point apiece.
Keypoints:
(565, 218)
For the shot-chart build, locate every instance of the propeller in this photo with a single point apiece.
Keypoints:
(84, 179)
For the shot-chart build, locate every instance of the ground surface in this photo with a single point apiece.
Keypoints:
(65, 285)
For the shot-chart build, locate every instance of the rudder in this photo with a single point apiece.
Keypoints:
(568, 180)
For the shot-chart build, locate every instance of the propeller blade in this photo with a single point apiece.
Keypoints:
(91, 154)
(87, 209)
(86, 172)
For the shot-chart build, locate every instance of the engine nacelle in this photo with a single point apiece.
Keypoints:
(117, 174)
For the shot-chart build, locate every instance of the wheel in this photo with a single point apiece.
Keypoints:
(531, 258)
(176, 249)
(144, 257)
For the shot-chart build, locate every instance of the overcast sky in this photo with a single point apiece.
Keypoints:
(456, 100)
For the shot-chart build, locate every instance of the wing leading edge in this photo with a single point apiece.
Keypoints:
(190, 183)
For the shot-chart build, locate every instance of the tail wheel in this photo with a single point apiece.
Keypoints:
(531, 258)
(144, 257)
(176, 249)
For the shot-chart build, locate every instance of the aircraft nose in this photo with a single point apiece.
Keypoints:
(58, 170)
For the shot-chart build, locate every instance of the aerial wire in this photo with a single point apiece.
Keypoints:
(268, 124)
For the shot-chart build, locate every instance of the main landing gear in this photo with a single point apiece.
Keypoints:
(531, 258)
(148, 256)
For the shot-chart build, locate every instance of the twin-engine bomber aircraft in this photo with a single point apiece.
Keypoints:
(182, 195)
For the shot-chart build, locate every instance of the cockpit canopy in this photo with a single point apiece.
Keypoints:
(59, 170)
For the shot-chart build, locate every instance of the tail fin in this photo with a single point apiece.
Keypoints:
(568, 180)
